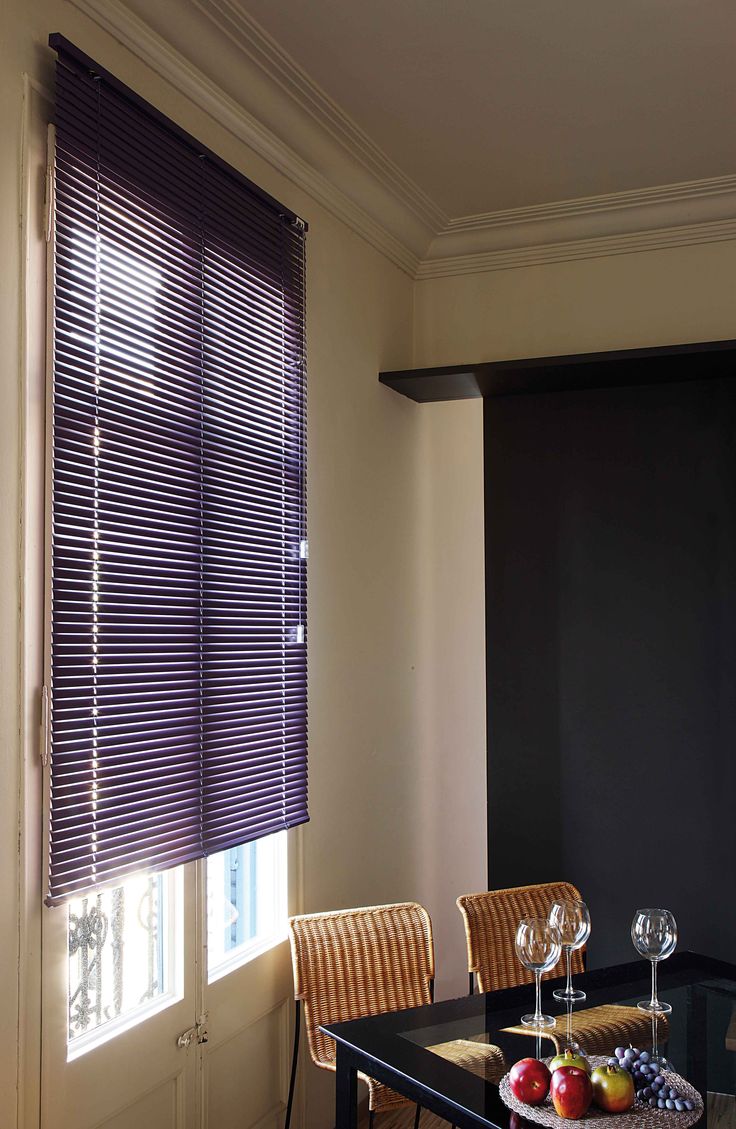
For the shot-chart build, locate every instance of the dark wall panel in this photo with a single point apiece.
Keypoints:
(611, 616)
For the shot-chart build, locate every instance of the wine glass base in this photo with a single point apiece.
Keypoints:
(566, 997)
(538, 1021)
(659, 1008)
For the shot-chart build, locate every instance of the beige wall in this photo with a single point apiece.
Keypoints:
(617, 302)
(451, 823)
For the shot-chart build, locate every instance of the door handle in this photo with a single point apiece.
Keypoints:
(197, 1034)
(187, 1037)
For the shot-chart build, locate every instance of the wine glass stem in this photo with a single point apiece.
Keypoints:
(538, 1004)
(654, 1000)
(568, 958)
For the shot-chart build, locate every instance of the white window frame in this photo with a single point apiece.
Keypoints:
(272, 882)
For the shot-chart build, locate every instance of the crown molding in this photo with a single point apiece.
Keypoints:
(585, 248)
(153, 50)
(276, 109)
(677, 194)
(638, 220)
(255, 42)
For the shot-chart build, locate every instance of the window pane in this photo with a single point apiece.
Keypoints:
(120, 964)
(246, 901)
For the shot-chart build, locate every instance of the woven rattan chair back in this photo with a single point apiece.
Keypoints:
(491, 920)
(359, 962)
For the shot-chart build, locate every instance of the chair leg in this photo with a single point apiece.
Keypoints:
(294, 1057)
(417, 1115)
(370, 1118)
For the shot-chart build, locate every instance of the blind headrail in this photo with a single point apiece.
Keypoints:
(85, 66)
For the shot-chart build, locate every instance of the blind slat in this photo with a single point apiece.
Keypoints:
(178, 661)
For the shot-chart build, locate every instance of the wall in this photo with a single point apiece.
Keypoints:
(625, 301)
(451, 825)
(363, 470)
(621, 301)
(611, 536)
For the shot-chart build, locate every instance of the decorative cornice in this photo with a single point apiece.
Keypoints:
(640, 220)
(343, 170)
(590, 248)
(665, 194)
(255, 42)
(115, 18)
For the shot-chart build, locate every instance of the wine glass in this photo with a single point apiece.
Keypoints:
(538, 947)
(654, 933)
(571, 918)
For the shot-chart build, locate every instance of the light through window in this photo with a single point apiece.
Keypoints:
(246, 902)
(122, 957)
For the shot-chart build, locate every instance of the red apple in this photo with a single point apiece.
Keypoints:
(569, 1058)
(529, 1080)
(613, 1088)
(571, 1092)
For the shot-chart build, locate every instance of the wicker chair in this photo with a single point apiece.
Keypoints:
(355, 963)
(491, 920)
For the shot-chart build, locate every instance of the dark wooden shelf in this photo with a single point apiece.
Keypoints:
(558, 374)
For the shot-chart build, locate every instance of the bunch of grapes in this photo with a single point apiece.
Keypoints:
(650, 1084)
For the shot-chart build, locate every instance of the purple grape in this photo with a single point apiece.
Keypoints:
(679, 1105)
(688, 1104)
(619, 1052)
(644, 1056)
(612, 1062)
(659, 1080)
(647, 1092)
(653, 1103)
(669, 1103)
(660, 1103)
(674, 1094)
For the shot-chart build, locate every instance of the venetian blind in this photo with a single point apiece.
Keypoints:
(178, 664)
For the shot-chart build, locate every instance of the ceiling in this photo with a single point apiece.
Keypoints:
(458, 136)
(496, 104)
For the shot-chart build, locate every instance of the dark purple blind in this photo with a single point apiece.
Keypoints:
(178, 684)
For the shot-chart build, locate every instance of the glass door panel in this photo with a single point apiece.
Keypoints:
(246, 902)
(123, 958)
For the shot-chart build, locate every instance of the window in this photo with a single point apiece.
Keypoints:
(246, 902)
(124, 960)
(178, 617)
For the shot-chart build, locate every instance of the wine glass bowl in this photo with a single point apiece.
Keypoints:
(538, 947)
(571, 918)
(654, 934)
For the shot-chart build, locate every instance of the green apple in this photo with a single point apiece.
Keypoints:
(613, 1088)
(569, 1058)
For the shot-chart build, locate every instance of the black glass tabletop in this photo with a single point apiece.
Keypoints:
(449, 1056)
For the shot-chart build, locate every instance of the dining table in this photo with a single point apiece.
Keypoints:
(449, 1056)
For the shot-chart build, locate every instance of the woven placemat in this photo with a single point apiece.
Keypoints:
(640, 1116)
